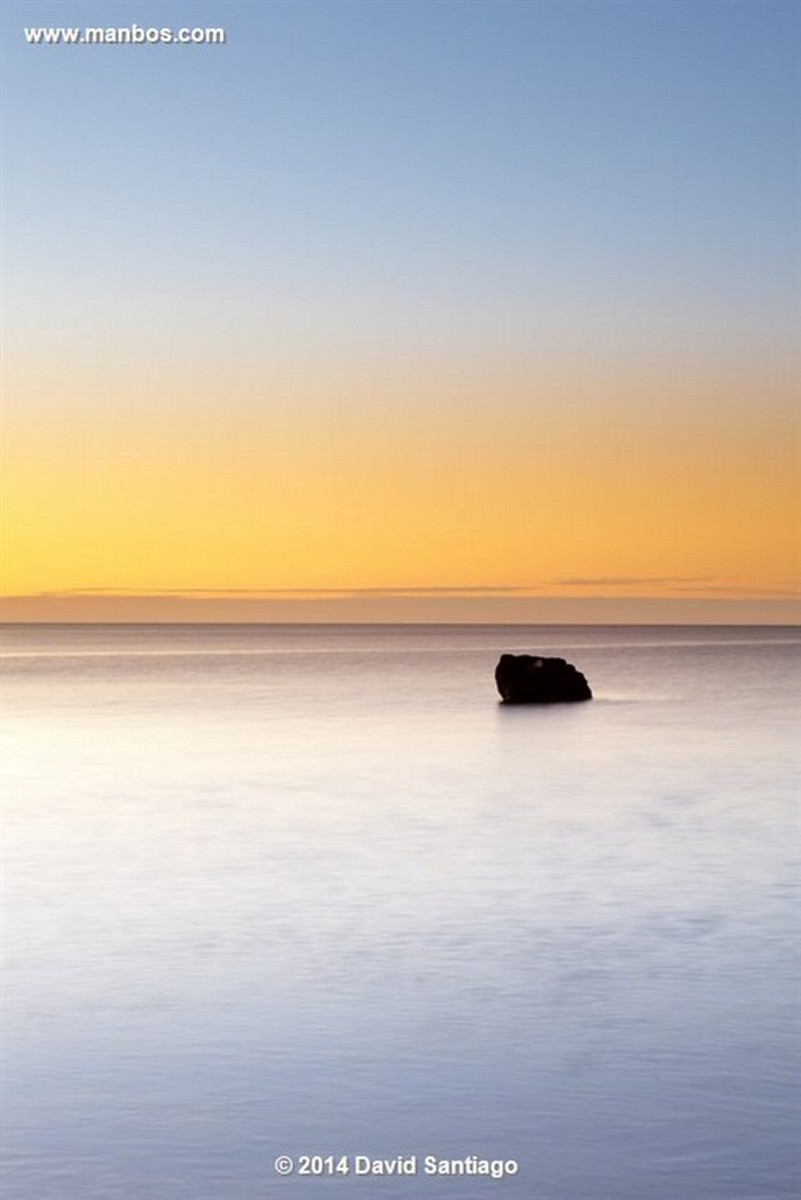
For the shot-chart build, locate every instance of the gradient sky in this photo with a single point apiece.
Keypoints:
(398, 310)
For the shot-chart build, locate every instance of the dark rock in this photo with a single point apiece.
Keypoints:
(529, 679)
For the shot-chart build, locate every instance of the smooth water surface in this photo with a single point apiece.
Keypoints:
(286, 890)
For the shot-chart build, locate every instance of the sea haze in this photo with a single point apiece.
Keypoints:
(313, 890)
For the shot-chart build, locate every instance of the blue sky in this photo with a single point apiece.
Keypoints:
(368, 163)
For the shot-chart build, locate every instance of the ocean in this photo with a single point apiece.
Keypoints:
(309, 899)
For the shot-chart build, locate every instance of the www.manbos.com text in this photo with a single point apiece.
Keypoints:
(123, 35)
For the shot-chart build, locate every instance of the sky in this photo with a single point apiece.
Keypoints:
(387, 310)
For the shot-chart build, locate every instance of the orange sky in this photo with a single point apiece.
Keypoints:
(596, 482)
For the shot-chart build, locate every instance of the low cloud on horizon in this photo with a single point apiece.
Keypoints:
(714, 587)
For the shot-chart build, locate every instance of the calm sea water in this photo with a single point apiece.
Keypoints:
(304, 890)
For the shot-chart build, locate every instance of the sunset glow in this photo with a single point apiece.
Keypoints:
(256, 355)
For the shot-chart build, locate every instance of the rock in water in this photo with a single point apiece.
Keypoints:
(529, 679)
